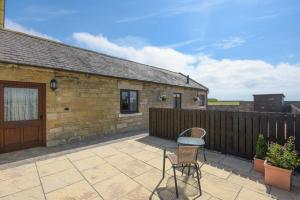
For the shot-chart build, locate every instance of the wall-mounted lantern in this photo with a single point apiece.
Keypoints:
(53, 84)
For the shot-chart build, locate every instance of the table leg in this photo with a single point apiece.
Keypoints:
(164, 162)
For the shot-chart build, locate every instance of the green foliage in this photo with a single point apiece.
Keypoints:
(224, 103)
(283, 156)
(261, 147)
(163, 97)
(212, 100)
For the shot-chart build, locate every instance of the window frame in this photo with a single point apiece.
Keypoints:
(175, 98)
(122, 111)
(204, 100)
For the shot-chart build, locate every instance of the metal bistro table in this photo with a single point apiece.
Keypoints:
(189, 141)
(192, 141)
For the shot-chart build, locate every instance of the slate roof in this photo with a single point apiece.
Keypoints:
(21, 48)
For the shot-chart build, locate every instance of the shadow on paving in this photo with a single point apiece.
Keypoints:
(236, 166)
(41, 153)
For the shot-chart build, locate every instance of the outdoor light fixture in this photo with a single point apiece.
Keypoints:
(53, 84)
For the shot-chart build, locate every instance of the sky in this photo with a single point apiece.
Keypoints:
(236, 48)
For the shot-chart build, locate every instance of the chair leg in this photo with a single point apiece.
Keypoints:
(175, 181)
(200, 173)
(182, 170)
(204, 153)
(164, 163)
(198, 178)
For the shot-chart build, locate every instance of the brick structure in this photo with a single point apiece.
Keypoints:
(268, 102)
(87, 103)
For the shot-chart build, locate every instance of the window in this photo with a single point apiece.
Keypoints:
(201, 100)
(20, 104)
(177, 100)
(129, 101)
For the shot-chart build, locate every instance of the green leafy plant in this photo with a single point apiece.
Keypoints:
(283, 156)
(163, 97)
(261, 147)
(195, 98)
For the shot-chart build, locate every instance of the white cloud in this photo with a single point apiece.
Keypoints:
(230, 42)
(226, 78)
(183, 43)
(10, 24)
(132, 41)
(164, 57)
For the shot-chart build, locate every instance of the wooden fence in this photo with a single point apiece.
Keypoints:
(228, 132)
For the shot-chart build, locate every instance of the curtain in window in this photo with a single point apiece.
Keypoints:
(201, 100)
(20, 104)
(133, 101)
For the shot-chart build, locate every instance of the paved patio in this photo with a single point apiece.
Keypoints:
(127, 168)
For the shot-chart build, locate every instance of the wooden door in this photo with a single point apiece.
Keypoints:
(22, 115)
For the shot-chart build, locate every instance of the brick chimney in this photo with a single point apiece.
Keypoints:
(2, 8)
(187, 79)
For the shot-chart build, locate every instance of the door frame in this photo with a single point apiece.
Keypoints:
(43, 106)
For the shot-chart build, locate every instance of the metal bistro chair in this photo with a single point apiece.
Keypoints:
(185, 155)
(196, 138)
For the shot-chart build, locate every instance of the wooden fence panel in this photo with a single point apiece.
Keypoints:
(212, 129)
(264, 125)
(194, 118)
(223, 132)
(203, 119)
(229, 132)
(182, 119)
(175, 123)
(235, 134)
(242, 134)
(207, 138)
(290, 129)
(272, 127)
(164, 123)
(198, 120)
(217, 130)
(186, 120)
(158, 111)
(171, 124)
(280, 136)
(249, 134)
(255, 131)
(297, 133)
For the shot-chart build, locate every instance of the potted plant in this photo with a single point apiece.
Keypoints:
(195, 98)
(280, 163)
(260, 155)
(163, 97)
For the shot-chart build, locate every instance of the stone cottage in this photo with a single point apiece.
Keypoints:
(52, 93)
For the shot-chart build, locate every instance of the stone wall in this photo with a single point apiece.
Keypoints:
(89, 105)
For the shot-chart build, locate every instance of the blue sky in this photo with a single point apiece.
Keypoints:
(235, 47)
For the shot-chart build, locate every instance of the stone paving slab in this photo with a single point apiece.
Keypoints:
(130, 168)
(60, 180)
(35, 193)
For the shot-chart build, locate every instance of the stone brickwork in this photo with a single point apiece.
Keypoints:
(89, 105)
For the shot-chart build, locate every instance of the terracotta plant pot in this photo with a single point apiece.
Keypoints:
(259, 165)
(278, 177)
